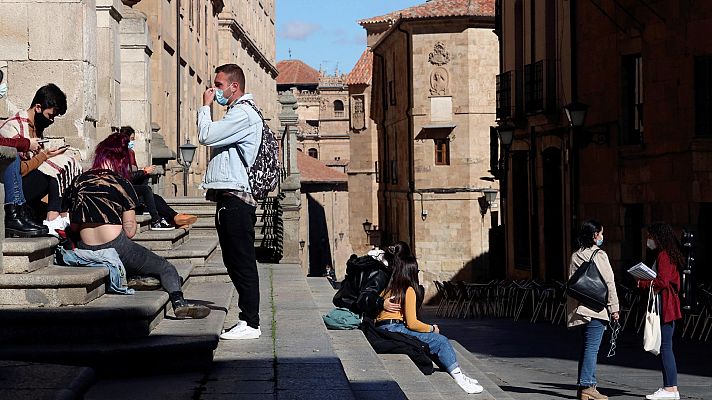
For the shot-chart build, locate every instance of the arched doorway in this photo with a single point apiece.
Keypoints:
(554, 257)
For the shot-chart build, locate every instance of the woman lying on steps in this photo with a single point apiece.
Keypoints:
(402, 289)
(101, 204)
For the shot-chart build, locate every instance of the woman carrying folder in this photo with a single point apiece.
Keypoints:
(668, 262)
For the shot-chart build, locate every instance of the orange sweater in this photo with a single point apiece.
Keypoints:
(407, 313)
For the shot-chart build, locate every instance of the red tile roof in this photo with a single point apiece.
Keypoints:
(438, 8)
(361, 74)
(315, 171)
(296, 72)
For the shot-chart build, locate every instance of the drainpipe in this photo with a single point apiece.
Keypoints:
(178, 116)
(384, 182)
(574, 145)
(411, 162)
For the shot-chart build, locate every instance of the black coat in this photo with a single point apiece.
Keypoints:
(384, 342)
(360, 290)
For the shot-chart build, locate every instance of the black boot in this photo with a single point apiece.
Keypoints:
(183, 309)
(17, 225)
(29, 216)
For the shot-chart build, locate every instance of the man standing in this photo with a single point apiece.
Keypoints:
(238, 134)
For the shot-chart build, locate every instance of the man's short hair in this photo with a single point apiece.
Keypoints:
(49, 96)
(234, 73)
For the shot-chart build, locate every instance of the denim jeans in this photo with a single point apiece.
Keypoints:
(439, 345)
(667, 357)
(592, 335)
(13, 184)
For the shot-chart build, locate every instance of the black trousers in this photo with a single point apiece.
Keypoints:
(155, 204)
(36, 185)
(235, 222)
(164, 210)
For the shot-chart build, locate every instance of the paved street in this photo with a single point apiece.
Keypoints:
(539, 361)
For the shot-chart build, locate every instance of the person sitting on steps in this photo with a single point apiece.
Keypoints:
(160, 211)
(102, 206)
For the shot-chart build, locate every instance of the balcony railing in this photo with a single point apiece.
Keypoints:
(504, 95)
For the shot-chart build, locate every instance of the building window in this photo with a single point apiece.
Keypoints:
(313, 153)
(338, 109)
(504, 95)
(703, 96)
(520, 210)
(394, 171)
(632, 91)
(442, 151)
(534, 87)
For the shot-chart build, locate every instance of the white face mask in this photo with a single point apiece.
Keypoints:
(651, 244)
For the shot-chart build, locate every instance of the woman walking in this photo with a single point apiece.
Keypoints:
(591, 323)
(668, 262)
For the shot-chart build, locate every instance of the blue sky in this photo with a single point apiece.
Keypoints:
(325, 32)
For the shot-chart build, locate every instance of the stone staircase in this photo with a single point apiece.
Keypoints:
(268, 228)
(63, 314)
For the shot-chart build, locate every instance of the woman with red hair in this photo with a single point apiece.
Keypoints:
(102, 202)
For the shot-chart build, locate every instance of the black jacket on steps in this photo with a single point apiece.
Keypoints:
(360, 291)
(384, 342)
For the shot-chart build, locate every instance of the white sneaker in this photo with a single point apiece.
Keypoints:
(67, 222)
(662, 394)
(240, 325)
(247, 332)
(57, 224)
(471, 380)
(470, 388)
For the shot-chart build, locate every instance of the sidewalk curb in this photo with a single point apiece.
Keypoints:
(485, 381)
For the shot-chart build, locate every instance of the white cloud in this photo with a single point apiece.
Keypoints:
(297, 30)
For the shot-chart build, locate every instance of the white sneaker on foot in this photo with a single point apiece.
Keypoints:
(470, 388)
(662, 394)
(240, 325)
(472, 380)
(247, 332)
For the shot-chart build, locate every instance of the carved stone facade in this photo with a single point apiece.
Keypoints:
(146, 66)
(433, 102)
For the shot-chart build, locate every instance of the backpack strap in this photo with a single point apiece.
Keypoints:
(239, 152)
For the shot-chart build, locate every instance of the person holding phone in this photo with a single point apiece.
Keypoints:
(39, 177)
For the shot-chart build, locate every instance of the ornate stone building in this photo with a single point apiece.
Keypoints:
(142, 63)
(644, 69)
(433, 101)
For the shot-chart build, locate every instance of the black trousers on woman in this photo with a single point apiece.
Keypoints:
(37, 185)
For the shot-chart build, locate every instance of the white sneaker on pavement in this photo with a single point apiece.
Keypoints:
(247, 332)
(240, 325)
(662, 394)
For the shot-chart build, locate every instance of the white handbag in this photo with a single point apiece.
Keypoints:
(651, 334)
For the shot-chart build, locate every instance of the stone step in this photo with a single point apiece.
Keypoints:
(194, 250)
(173, 344)
(161, 240)
(53, 286)
(21, 255)
(414, 384)
(31, 381)
(111, 316)
(469, 362)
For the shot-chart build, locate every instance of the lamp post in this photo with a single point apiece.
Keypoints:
(187, 152)
(576, 115)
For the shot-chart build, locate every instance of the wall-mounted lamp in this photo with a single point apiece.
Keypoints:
(341, 236)
(506, 135)
(301, 244)
(576, 114)
(187, 152)
(490, 195)
(367, 227)
(373, 235)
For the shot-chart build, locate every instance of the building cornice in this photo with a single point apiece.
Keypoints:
(227, 22)
(484, 22)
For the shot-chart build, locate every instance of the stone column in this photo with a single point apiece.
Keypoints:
(53, 41)
(291, 186)
(7, 155)
(108, 99)
(136, 50)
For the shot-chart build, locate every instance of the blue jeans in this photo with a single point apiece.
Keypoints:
(13, 184)
(667, 358)
(439, 345)
(592, 335)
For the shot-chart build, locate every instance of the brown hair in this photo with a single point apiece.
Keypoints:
(234, 73)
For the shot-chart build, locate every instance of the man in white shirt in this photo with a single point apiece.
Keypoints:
(226, 179)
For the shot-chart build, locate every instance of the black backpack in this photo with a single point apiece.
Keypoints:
(587, 285)
(264, 173)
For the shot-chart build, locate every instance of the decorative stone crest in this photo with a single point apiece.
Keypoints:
(439, 81)
(439, 55)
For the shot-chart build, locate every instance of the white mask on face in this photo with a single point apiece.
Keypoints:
(651, 244)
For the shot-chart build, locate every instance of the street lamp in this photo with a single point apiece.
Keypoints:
(367, 227)
(187, 152)
(506, 135)
(576, 114)
(490, 195)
